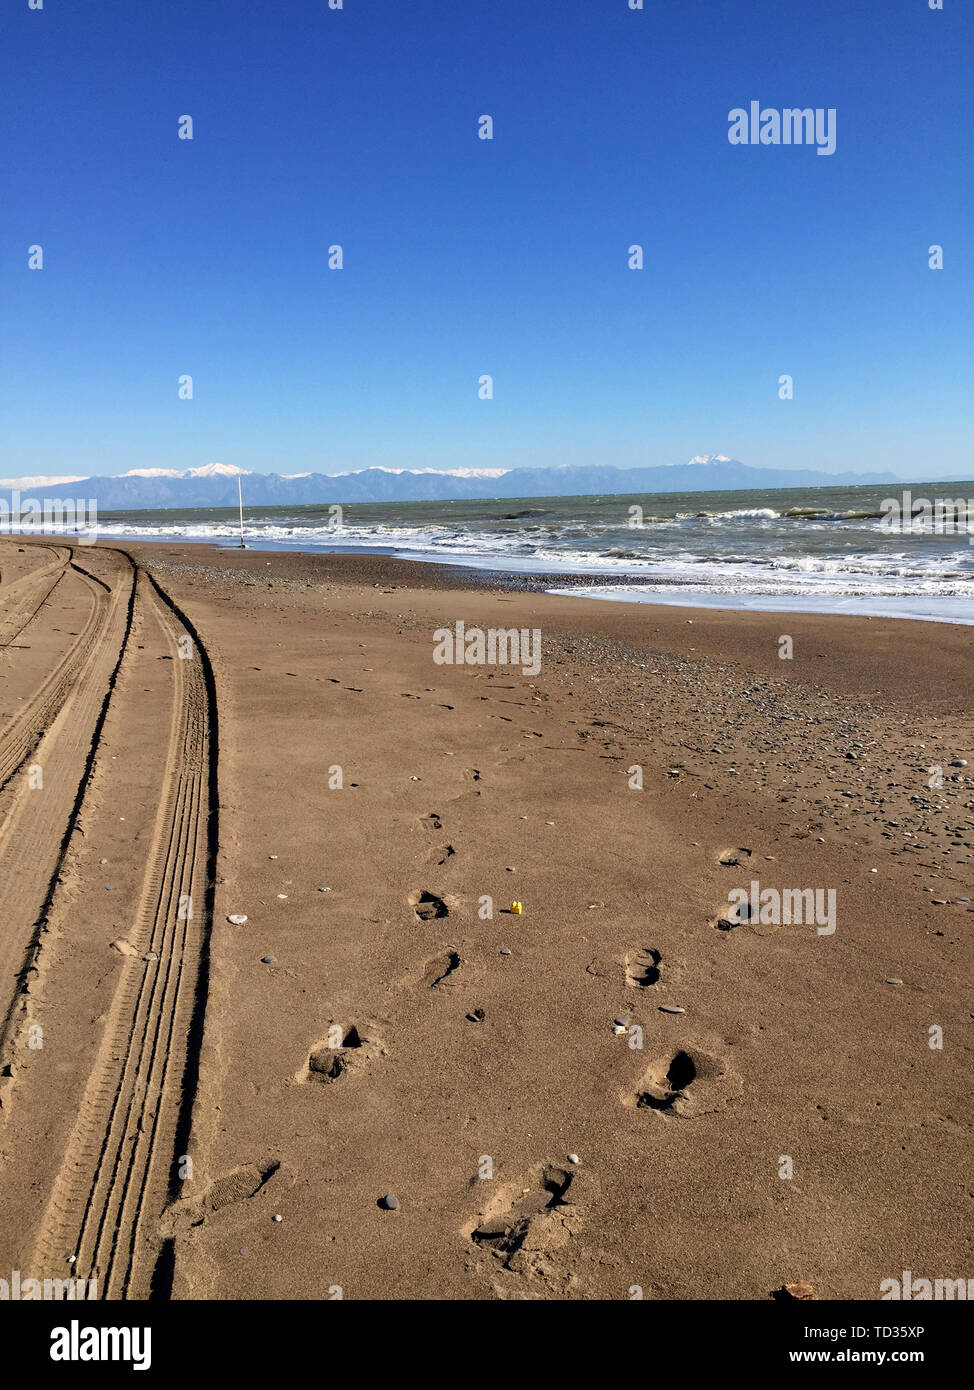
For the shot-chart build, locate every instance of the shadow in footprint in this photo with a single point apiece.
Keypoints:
(341, 1052)
(506, 1233)
(680, 1073)
(427, 906)
(733, 858)
(237, 1186)
(331, 1063)
(737, 916)
(642, 968)
(686, 1082)
(442, 970)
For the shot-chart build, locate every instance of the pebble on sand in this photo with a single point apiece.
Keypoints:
(390, 1201)
(574, 1158)
(671, 1009)
(618, 1028)
(237, 919)
(894, 980)
(268, 960)
(505, 951)
(278, 1217)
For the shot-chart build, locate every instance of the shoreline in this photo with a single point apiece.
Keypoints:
(531, 578)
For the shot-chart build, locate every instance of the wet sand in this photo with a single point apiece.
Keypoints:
(268, 735)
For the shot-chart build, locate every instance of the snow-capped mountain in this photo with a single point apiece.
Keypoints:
(215, 484)
(209, 470)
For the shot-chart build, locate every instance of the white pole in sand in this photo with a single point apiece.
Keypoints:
(243, 543)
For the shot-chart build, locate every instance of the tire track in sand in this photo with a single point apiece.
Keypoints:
(119, 1168)
(61, 729)
(21, 598)
(24, 730)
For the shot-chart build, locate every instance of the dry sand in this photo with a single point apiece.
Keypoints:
(166, 1093)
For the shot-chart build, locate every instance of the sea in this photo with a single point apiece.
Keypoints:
(821, 549)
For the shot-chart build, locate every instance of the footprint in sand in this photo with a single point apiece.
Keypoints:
(427, 906)
(642, 967)
(441, 855)
(239, 1185)
(440, 971)
(431, 822)
(341, 1053)
(526, 1226)
(686, 1081)
(729, 917)
(733, 858)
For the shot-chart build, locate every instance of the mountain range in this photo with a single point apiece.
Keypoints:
(215, 485)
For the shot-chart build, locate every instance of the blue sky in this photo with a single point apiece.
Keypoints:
(461, 256)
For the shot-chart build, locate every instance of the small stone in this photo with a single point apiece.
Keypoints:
(268, 960)
(476, 1015)
(324, 890)
(958, 762)
(801, 1292)
(574, 1158)
(390, 1201)
(151, 955)
(272, 856)
(940, 902)
(414, 779)
(894, 980)
(278, 1217)
(282, 895)
(618, 1028)
(511, 869)
(237, 919)
(671, 1009)
(505, 951)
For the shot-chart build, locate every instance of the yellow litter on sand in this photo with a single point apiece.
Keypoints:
(516, 907)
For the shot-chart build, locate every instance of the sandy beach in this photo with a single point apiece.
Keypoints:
(197, 1108)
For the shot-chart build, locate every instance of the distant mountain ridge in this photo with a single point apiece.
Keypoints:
(215, 485)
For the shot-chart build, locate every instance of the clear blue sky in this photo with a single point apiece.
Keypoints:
(462, 256)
